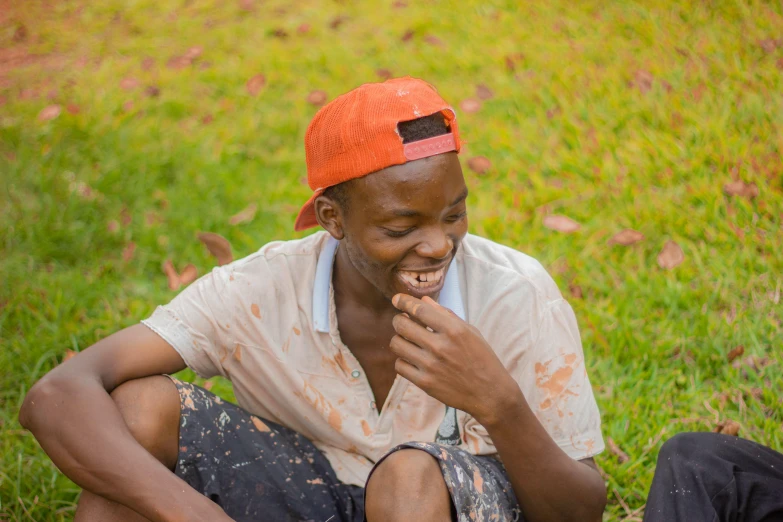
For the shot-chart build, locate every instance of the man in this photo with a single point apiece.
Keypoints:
(716, 477)
(446, 368)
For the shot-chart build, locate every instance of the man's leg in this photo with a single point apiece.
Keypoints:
(151, 409)
(408, 485)
(714, 477)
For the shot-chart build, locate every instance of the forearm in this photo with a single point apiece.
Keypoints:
(80, 428)
(549, 484)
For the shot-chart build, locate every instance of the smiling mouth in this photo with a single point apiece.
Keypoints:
(423, 280)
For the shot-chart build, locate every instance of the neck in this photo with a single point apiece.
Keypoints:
(351, 285)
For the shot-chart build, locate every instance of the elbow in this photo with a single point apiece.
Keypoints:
(45, 393)
(599, 501)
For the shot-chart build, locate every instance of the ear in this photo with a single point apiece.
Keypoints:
(329, 216)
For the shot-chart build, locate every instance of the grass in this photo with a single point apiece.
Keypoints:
(616, 114)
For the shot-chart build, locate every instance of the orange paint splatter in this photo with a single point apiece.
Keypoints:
(238, 352)
(478, 481)
(260, 426)
(335, 421)
(366, 428)
(223, 353)
(475, 446)
(297, 331)
(340, 360)
(255, 310)
(311, 394)
(589, 445)
(555, 385)
(570, 358)
(317, 481)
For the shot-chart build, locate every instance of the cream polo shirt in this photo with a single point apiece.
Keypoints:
(268, 323)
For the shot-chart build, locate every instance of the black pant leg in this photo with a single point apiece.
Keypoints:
(716, 478)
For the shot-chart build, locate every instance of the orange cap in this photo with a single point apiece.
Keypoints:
(356, 134)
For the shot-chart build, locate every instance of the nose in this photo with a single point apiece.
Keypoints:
(437, 245)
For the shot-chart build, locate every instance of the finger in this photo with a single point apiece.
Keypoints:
(408, 371)
(412, 331)
(424, 312)
(406, 350)
(427, 299)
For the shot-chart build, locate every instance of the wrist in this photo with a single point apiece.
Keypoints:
(505, 408)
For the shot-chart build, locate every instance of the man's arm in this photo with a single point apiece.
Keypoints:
(76, 422)
(450, 361)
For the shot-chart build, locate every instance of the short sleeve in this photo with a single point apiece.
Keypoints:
(555, 383)
(192, 324)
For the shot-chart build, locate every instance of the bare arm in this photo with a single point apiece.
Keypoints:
(77, 423)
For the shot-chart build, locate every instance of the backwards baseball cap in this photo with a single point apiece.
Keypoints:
(356, 134)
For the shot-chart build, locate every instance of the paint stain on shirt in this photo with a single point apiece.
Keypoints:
(238, 352)
(259, 424)
(297, 331)
(478, 481)
(255, 310)
(366, 428)
(311, 394)
(555, 385)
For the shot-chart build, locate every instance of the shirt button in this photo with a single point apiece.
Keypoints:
(355, 374)
(372, 405)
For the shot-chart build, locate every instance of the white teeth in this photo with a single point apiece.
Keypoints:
(422, 279)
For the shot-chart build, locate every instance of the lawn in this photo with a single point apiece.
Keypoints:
(128, 127)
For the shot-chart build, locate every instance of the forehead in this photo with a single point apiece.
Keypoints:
(431, 182)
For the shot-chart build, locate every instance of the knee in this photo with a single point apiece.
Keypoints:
(690, 448)
(409, 474)
(150, 407)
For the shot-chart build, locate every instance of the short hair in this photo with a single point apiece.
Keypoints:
(410, 131)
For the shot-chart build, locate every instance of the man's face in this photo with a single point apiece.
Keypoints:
(404, 224)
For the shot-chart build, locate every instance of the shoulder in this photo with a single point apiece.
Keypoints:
(505, 271)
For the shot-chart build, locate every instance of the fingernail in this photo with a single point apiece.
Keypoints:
(395, 299)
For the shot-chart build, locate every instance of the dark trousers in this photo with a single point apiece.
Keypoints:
(716, 478)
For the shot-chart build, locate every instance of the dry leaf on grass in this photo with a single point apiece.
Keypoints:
(728, 427)
(69, 354)
(470, 105)
(479, 164)
(129, 83)
(575, 290)
(753, 362)
(384, 74)
(49, 113)
(670, 256)
(407, 35)
(561, 223)
(128, 251)
(317, 98)
(208, 385)
(626, 237)
(218, 246)
(255, 84)
(483, 92)
(189, 274)
(615, 450)
(433, 40)
(244, 216)
(735, 352)
(741, 189)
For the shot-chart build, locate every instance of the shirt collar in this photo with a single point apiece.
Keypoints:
(450, 295)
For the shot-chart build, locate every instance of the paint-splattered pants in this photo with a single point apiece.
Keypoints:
(258, 470)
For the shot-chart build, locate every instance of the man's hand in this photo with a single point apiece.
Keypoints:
(450, 360)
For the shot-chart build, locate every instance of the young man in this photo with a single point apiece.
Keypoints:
(446, 368)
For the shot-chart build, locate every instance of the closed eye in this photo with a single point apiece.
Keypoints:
(457, 217)
(397, 233)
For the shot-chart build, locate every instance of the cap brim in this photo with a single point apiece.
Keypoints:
(306, 218)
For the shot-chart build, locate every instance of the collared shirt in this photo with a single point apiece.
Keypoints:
(268, 323)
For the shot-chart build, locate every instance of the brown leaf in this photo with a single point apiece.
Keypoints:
(152, 91)
(561, 223)
(244, 216)
(470, 105)
(112, 226)
(735, 352)
(433, 40)
(171, 274)
(178, 62)
(479, 164)
(615, 450)
(384, 74)
(576, 291)
(317, 98)
(399, 4)
(728, 427)
(643, 81)
(754, 362)
(483, 92)
(769, 45)
(303, 29)
(337, 21)
(128, 251)
(188, 275)
(147, 63)
(742, 189)
(72, 108)
(407, 35)
(125, 217)
(513, 61)
(255, 84)
(127, 106)
(280, 33)
(218, 246)
(129, 83)
(670, 256)
(626, 237)
(69, 354)
(207, 119)
(193, 53)
(49, 113)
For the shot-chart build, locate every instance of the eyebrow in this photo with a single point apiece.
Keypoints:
(404, 212)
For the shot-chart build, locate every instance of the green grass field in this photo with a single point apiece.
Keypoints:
(615, 114)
